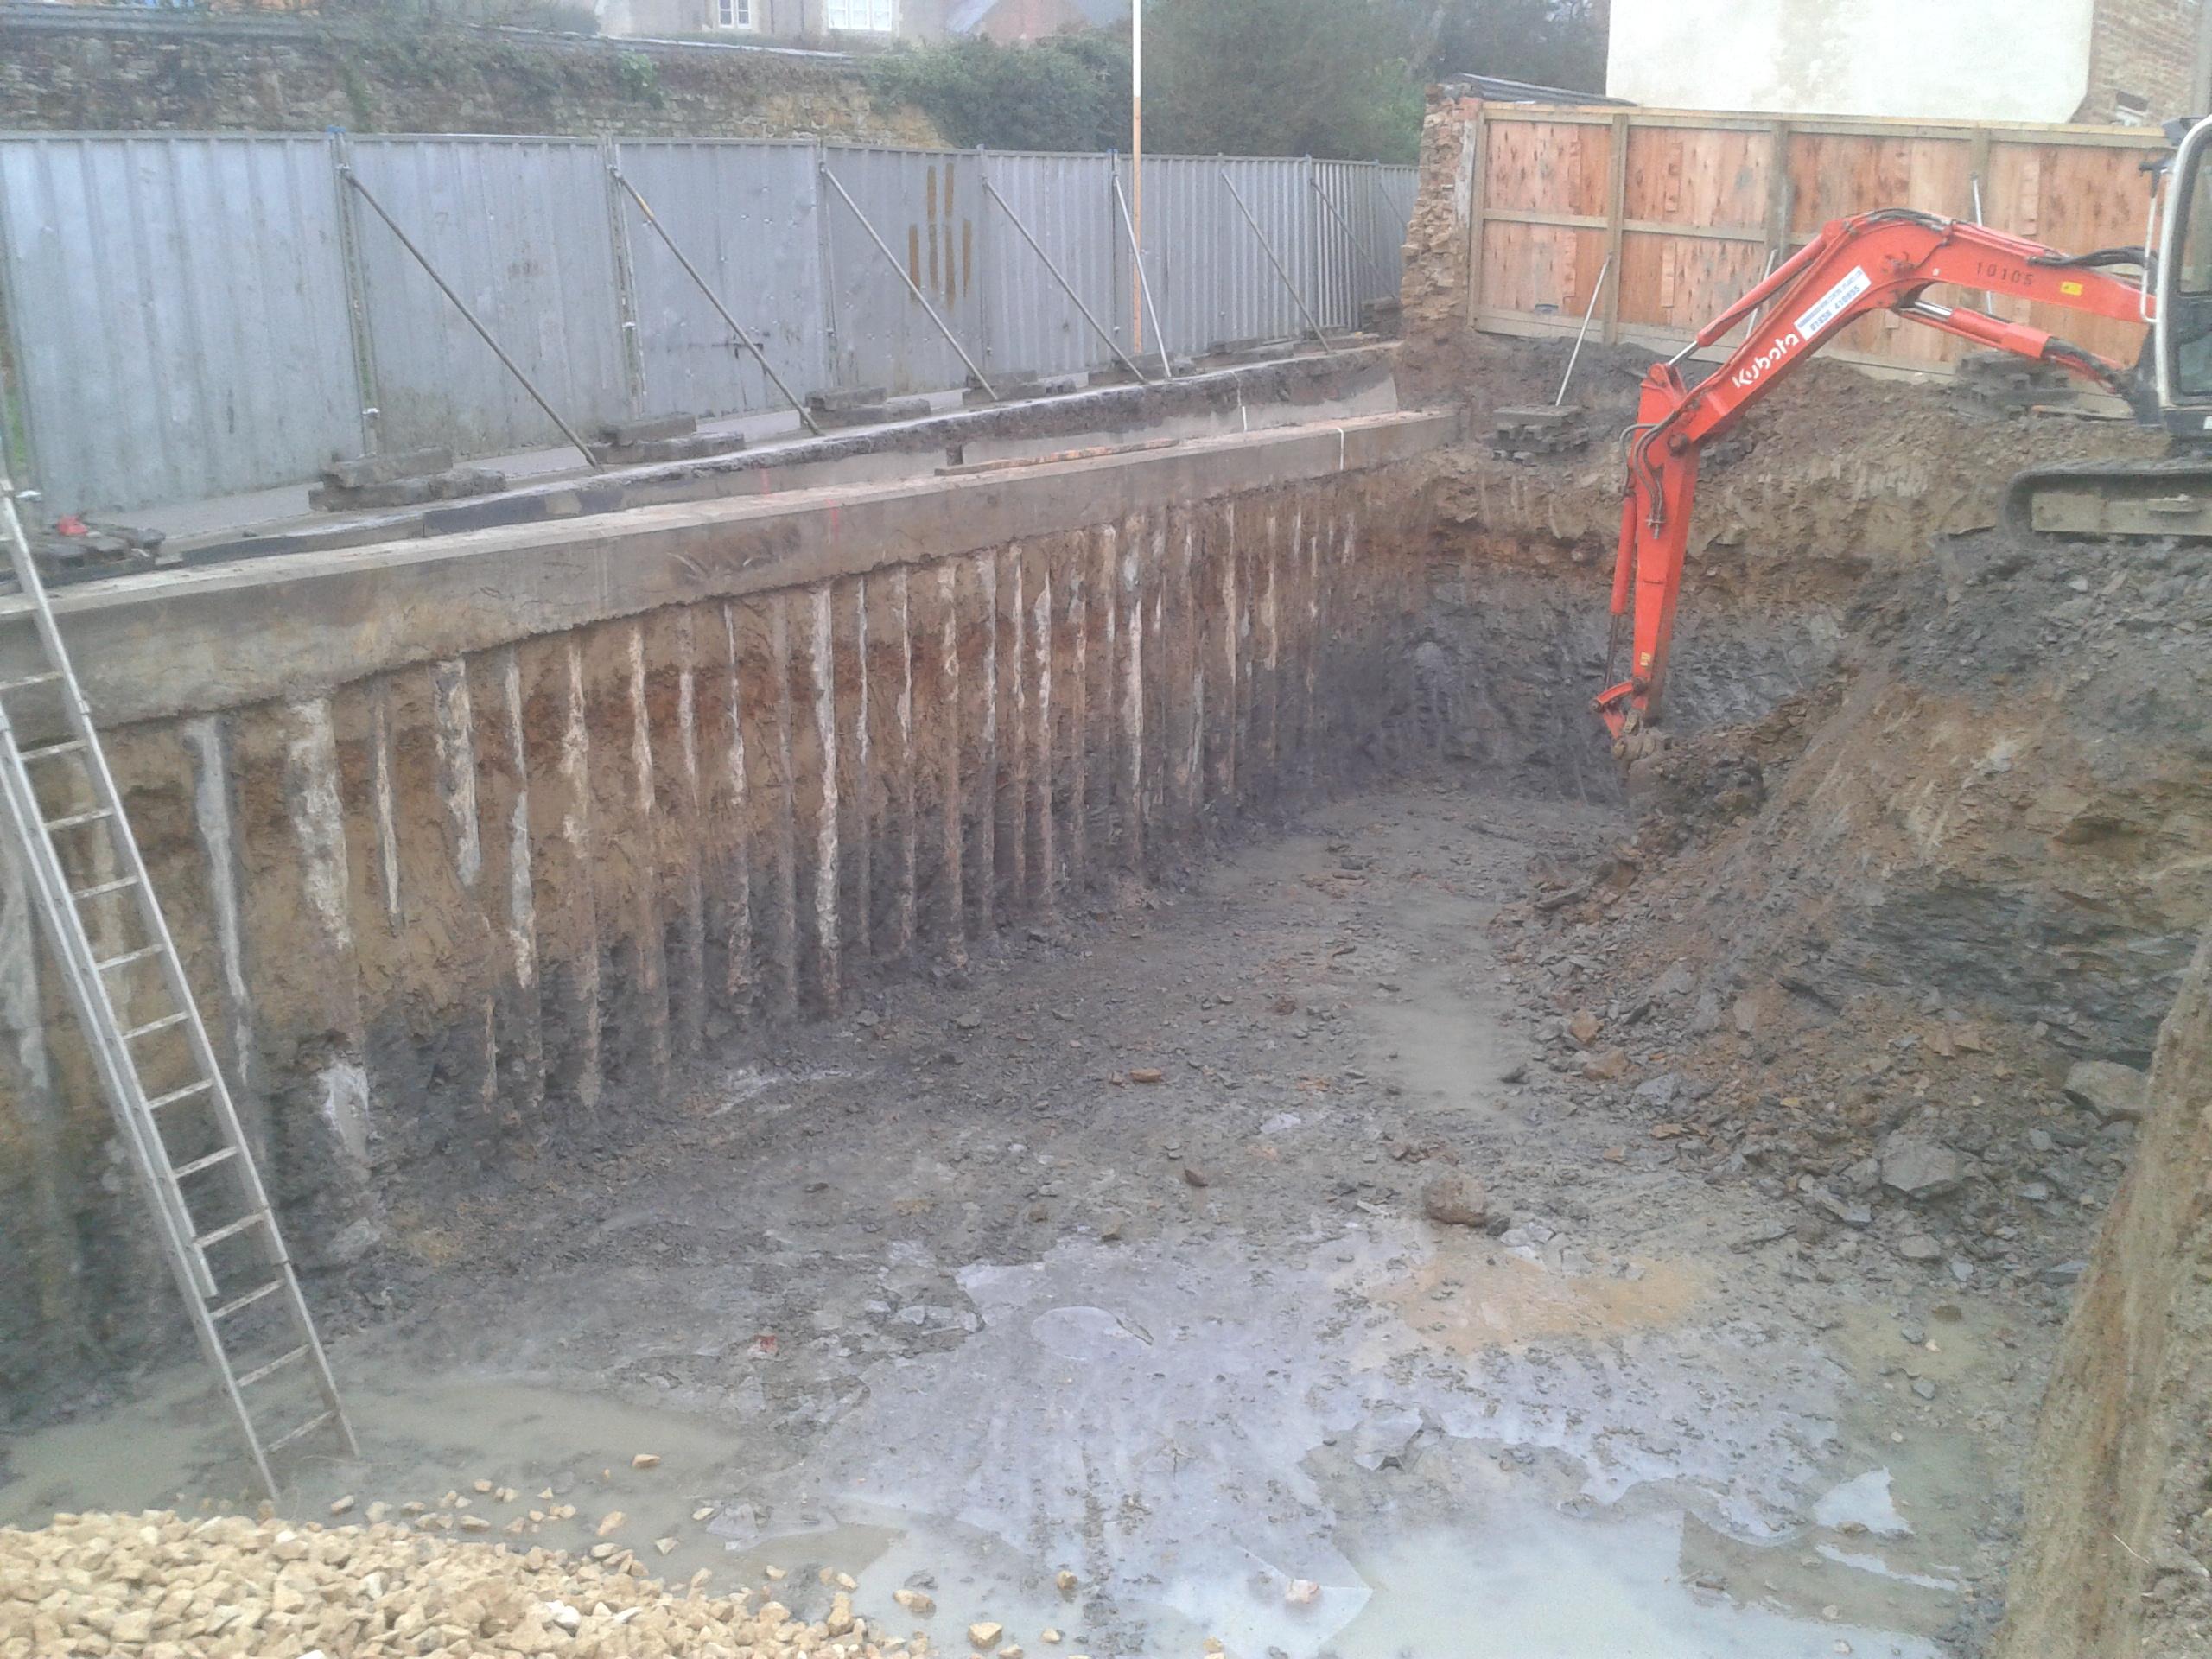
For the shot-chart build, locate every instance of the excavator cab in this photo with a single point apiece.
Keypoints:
(2185, 287)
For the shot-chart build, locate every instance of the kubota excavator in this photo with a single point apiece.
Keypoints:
(1887, 260)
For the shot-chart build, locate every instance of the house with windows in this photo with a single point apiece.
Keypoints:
(846, 23)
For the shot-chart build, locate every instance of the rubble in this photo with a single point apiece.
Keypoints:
(231, 1588)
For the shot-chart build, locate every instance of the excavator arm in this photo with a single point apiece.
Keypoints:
(1879, 261)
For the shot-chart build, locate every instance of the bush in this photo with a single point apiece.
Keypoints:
(1069, 93)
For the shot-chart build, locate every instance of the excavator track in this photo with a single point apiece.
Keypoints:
(2091, 500)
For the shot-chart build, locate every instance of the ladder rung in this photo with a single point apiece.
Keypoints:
(48, 751)
(230, 1228)
(76, 819)
(127, 957)
(29, 680)
(239, 1304)
(274, 1365)
(208, 1162)
(289, 1435)
(176, 1095)
(116, 885)
(162, 1024)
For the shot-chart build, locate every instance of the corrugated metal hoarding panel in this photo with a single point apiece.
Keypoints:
(745, 215)
(179, 314)
(183, 325)
(927, 205)
(1067, 203)
(1344, 254)
(520, 227)
(1182, 206)
(1255, 302)
(1395, 188)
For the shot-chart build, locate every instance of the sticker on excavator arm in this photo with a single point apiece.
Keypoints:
(2071, 290)
(1830, 305)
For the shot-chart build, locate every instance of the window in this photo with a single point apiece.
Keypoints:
(2188, 300)
(733, 14)
(861, 16)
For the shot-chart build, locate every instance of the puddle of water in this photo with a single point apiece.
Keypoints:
(1535, 1584)
(1881, 1569)
(1863, 1501)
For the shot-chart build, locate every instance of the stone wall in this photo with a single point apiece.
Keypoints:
(1434, 294)
(490, 837)
(145, 72)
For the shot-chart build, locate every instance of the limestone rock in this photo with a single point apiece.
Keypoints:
(984, 1635)
(2114, 1092)
(1606, 1064)
(1919, 1167)
(1455, 1200)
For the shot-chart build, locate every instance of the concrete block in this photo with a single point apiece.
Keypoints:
(1519, 434)
(408, 492)
(648, 429)
(670, 448)
(364, 470)
(845, 400)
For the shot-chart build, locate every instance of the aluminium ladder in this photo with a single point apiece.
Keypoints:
(239, 1204)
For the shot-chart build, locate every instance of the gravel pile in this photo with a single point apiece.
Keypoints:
(159, 1586)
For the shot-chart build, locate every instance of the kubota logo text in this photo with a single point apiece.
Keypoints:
(1748, 376)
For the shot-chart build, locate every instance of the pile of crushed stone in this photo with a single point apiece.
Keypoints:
(160, 1586)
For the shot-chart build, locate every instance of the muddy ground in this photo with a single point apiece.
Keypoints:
(944, 1288)
(1548, 1217)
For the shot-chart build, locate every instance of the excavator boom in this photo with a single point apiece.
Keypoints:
(1881, 261)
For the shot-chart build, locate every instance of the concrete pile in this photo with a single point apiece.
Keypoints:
(161, 1585)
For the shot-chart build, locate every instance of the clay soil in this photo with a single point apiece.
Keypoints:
(1517, 1210)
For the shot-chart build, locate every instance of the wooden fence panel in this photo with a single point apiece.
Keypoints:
(1836, 174)
(1696, 207)
(2078, 198)
(1535, 174)
(1714, 181)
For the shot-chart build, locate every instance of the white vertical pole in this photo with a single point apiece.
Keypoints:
(1136, 167)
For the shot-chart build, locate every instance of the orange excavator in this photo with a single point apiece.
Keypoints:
(1888, 260)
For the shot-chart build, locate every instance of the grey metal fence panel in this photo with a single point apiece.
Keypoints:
(521, 229)
(1393, 208)
(1345, 272)
(1183, 203)
(747, 216)
(179, 314)
(180, 305)
(1255, 303)
(927, 207)
(1067, 203)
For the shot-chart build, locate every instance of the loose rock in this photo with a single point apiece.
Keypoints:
(1456, 1200)
(2114, 1092)
(1919, 1167)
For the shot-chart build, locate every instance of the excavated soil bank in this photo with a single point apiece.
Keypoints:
(1445, 1202)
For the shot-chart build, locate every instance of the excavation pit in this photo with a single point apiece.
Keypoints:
(934, 1009)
